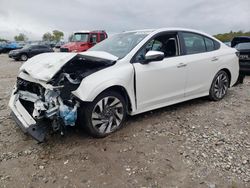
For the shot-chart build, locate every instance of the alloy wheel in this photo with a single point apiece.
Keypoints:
(24, 57)
(221, 85)
(107, 115)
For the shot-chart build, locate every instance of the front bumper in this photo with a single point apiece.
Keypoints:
(24, 120)
(14, 56)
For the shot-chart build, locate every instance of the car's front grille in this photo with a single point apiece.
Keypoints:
(64, 50)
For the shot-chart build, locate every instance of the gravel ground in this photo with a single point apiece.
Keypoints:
(198, 143)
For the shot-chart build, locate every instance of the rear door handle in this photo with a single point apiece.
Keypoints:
(181, 65)
(215, 59)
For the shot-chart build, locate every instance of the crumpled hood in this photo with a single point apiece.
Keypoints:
(45, 66)
(100, 54)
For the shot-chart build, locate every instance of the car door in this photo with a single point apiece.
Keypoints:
(201, 59)
(162, 82)
(34, 50)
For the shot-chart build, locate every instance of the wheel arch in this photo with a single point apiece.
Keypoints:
(120, 89)
(229, 74)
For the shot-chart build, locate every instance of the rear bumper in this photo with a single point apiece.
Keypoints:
(24, 120)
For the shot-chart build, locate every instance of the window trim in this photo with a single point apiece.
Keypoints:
(180, 50)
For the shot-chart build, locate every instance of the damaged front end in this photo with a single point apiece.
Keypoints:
(35, 104)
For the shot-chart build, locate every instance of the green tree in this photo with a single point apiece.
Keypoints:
(58, 35)
(21, 37)
(226, 37)
(48, 37)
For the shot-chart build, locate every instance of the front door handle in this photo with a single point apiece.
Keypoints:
(214, 59)
(181, 65)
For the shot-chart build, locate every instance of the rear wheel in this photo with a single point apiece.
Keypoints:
(105, 114)
(24, 57)
(219, 86)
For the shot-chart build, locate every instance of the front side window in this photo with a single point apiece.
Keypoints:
(166, 43)
(194, 43)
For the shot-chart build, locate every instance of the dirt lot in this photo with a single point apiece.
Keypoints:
(193, 144)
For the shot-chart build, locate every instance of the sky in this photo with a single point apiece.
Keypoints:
(36, 17)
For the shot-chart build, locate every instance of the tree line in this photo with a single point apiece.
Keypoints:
(227, 37)
(57, 35)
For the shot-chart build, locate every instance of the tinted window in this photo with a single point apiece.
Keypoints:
(44, 47)
(102, 37)
(194, 43)
(209, 44)
(243, 46)
(94, 38)
(34, 46)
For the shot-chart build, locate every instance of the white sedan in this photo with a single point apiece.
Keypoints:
(126, 74)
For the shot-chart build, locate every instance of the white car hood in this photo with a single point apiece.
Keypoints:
(45, 66)
(100, 54)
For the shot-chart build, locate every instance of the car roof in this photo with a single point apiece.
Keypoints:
(168, 29)
(155, 31)
(82, 31)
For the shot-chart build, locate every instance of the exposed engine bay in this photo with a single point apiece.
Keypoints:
(57, 104)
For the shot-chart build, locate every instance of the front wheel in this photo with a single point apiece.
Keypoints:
(105, 114)
(219, 86)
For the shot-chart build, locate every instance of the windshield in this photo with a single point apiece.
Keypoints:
(243, 46)
(80, 37)
(120, 45)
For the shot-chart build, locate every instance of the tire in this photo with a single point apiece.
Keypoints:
(24, 57)
(105, 115)
(219, 86)
(240, 79)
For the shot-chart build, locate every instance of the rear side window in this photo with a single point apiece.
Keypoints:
(194, 43)
(102, 37)
(94, 38)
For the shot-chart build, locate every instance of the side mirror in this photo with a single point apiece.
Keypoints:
(153, 56)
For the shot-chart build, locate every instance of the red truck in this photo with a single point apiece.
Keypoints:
(83, 40)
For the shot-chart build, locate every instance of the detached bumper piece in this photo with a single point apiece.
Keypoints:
(24, 120)
(37, 132)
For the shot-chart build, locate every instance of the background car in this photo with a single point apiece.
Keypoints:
(10, 45)
(83, 40)
(244, 58)
(29, 51)
(59, 44)
(239, 39)
(2, 46)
